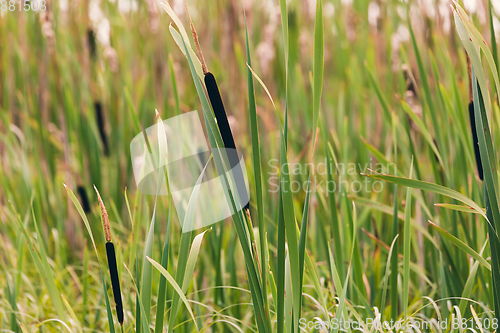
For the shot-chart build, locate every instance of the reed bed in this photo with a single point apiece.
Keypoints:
(369, 133)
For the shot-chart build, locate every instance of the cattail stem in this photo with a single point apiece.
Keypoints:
(219, 110)
(222, 121)
(101, 125)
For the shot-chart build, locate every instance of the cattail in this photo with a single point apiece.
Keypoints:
(222, 121)
(92, 44)
(110, 252)
(100, 124)
(84, 198)
(475, 142)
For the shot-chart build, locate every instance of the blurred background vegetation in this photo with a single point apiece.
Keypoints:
(81, 79)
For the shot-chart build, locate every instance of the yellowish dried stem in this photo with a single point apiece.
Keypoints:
(469, 72)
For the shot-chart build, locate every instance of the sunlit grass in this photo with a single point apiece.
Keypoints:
(303, 85)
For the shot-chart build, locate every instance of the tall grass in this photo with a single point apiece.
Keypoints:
(317, 87)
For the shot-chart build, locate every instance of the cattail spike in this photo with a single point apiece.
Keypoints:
(196, 42)
(105, 218)
(84, 198)
(475, 140)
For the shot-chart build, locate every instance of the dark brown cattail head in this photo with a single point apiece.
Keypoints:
(196, 42)
(115, 280)
(83, 198)
(227, 136)
(219, 110)
(100, 124)
(92, 44)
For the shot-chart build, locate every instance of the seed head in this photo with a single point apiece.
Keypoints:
(105, 218)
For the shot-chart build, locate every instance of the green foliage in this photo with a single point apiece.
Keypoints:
(317, 98)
